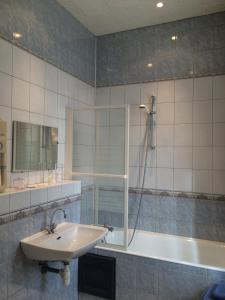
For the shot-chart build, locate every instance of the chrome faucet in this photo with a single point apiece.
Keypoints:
(52, 226)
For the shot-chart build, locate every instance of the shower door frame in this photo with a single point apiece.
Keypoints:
(69, 159)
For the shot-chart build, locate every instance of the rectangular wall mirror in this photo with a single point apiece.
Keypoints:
(35, 147)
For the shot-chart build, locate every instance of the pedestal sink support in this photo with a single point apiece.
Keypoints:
(63, 272)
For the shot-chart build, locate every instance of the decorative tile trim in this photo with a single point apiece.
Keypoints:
(37, 209)
(163, 193)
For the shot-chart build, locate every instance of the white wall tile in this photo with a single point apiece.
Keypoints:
(164, 157)
(63, 103)
(37, 119)
(150, 158)
(202, 135)
(117, 95)
(134, 178)
(166, 91)
(202, 181)
(6, 90)
(183, 157)
(6, 57)
(202, 111)
(134, 135)
(19, 201)
(203, 88)
(183, 112)
(135, 115)
(21, 63)
(20, 115)
(61, 131)
(218, 182)
(83, 92)
(183, 135)
(63, 88)
(150, 178)
(164, 178)
(20, 94)
(219, 87)
(37, 71)
(218, 134)
(51, 104)
(103, 96)
(133, 94)
(61, 154)
(134, 152)
(54, 193)
(183, 180)
(37, 99)
(202, 158)
(165, 113)
(184, 90)
(165, 135)
(219, 110)
(51, 78)
(38, 197)
(219, 158)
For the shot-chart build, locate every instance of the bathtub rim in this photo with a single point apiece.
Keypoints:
(119, 249)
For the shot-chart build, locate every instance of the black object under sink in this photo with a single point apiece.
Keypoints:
(97, 275)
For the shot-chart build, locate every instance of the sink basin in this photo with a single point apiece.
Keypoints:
(69, 241)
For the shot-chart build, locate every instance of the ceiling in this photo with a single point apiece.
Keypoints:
(108, 16)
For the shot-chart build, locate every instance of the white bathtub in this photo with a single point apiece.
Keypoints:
(188, 251)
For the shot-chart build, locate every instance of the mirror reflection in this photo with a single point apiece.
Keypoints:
(35, 147)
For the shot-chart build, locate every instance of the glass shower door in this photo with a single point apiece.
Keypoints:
(100, 142)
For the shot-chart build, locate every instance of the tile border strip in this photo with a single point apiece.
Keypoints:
(7, 218)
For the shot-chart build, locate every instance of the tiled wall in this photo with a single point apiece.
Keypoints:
(189, 133)
(50, 32)
(139, 278)
(198, 50)
(37, 92)
(191, 217)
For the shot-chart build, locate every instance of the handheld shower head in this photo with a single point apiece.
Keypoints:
(144, 106)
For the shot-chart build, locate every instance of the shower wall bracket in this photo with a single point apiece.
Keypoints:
(3, 154)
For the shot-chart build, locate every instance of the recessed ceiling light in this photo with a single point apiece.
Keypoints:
(174, 37)
(17, 35)
(160, 4)
(149, 65)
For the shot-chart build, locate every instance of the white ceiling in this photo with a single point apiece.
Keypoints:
(107, 16)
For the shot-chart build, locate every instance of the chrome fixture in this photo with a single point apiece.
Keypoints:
(150, 110)
(52, 226)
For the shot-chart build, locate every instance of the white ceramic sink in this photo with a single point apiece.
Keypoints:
(69, 241)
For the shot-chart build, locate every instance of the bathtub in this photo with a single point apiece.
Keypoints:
(171, 248)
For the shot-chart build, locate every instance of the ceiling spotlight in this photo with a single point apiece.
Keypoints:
(17, 35)
(160, 4)
(150, 65)
(174, 37)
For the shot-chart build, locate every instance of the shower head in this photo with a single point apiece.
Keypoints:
(144, 106)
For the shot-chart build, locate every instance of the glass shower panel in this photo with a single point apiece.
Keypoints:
(100, 161)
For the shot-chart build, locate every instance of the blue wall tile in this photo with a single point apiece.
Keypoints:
(51, 32)
(122, 57)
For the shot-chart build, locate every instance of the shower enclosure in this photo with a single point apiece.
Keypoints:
(97, 153)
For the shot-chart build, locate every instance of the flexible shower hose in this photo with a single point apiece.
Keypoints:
(148, 144)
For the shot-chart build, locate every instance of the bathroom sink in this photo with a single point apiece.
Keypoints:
(69, 241)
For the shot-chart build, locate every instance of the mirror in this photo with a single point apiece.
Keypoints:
(35, 147)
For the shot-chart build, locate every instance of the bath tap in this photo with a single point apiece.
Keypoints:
(52, 226)
(110, 228)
